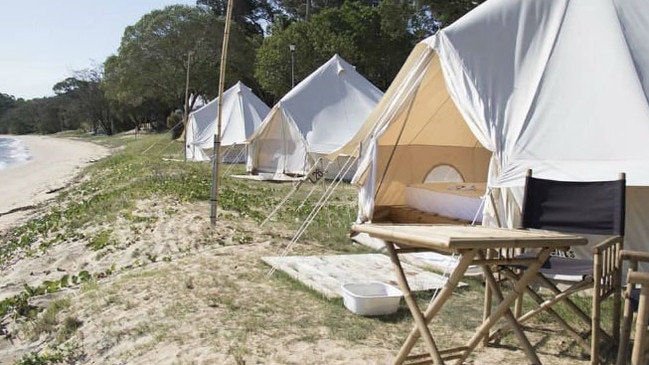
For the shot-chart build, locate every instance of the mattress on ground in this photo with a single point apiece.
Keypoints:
(455, 200)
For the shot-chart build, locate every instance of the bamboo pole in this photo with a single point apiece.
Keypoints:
(640, 340)
(186, 116)
(217, 138)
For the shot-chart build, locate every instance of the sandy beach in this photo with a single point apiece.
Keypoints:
(54, 163)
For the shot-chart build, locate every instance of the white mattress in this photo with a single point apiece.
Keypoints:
(454, 200)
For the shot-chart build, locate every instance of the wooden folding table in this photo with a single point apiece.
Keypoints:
(471, 243)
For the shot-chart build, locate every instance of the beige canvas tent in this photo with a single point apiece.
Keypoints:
(242, 114)
(558, 86)
(316, 117)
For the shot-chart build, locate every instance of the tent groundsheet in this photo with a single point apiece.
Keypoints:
(326, 274)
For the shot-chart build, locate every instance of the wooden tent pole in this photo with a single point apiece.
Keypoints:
(186, 116)
(217, 138)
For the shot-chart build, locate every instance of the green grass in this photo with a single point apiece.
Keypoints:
(112, 186)
(66, 354)
(138, 171)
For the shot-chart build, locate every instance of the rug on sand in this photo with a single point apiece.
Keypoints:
(326, 274)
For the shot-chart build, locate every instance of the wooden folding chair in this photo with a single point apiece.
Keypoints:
(636, 297)
(587, 208)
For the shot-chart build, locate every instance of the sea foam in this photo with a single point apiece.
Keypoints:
(13, 152)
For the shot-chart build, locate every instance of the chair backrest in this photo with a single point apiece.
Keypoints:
(587, 207)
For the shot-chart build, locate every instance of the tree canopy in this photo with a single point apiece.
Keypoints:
(376, 39)
(248, 14)
(6, 102)
(155, 53)
(83, 101)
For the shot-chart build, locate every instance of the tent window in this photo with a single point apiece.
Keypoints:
(444, 173)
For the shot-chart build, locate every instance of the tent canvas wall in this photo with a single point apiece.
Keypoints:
(243, 112)
(316, 117)
(558, 86)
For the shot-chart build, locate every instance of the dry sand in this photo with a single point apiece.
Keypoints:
(54, 163)
(184, 293)
(176, 296)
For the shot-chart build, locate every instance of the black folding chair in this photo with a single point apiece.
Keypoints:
(586, 208)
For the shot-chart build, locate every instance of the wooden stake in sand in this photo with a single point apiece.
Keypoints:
(217, 138)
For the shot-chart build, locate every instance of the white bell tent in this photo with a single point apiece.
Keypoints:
(557, 86)
(243, 112)
(316, 117)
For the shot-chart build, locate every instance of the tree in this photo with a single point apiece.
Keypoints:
(437, 12)
(249, 14)
(48, 115)
(151, 65)
(375, 36)
(383, 36)
(6, 102)
(313, 47)
(32, 116)
(85, 102)
(374, 39)
(448, 11)
(305, 9)
(20, 119)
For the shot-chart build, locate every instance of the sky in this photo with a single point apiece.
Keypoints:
(45, 41)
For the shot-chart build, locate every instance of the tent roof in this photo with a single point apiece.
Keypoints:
(328, 106)
(242, 113)
(558, 86)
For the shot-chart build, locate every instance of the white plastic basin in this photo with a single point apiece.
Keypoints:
(371, 299)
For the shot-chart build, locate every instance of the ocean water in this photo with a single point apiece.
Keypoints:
(12, 152)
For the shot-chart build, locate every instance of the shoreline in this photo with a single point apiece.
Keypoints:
(54, 163)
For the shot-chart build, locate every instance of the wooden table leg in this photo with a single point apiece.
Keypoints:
(487, 299)
(421, 321)
(503, 309)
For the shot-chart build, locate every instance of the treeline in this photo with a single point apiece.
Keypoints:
(145, 82)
